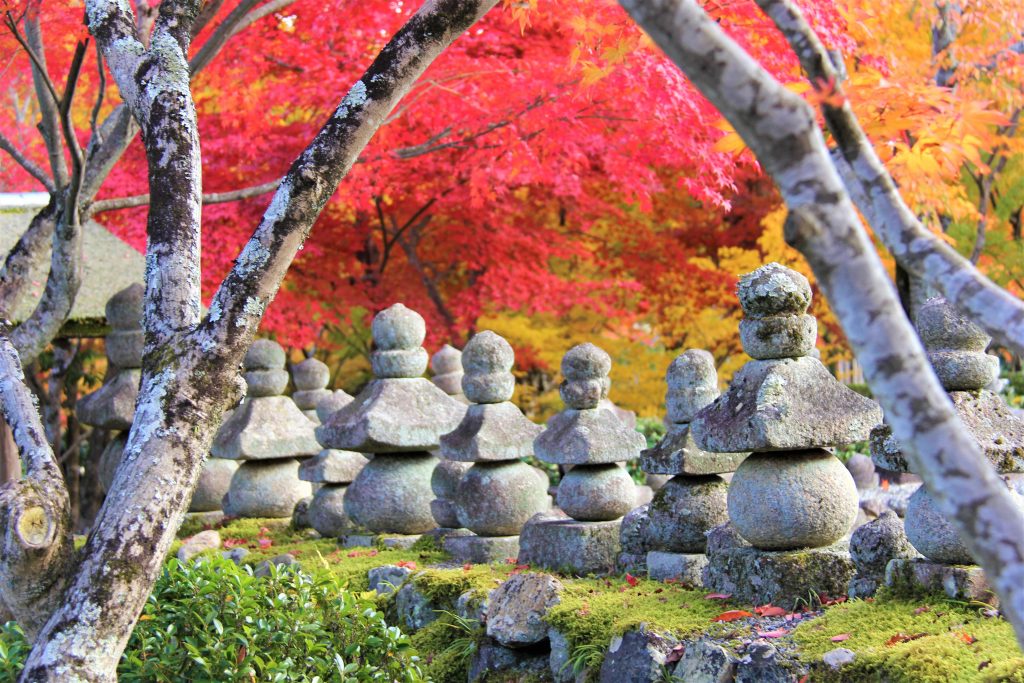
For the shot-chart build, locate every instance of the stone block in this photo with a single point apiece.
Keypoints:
(637, 656)
(481, 549)
(518, 606)
(333, 467)
(705, 662)
(265, 428)
(498, 662)
(958, 582)
(491, 432)
(677, 453)
(564, 544)
(684, 568)
(592, 436)
(388, 578)
(413, 608)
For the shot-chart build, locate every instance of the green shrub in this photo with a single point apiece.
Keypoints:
(217, 622)
(652, 428)
(13, 651)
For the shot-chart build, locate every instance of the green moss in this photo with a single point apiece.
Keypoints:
(950, 642)
(444, 586)
(445, 649)
(597, 610)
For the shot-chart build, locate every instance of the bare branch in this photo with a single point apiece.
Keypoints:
(30, 166)
(209, 198)
(220, 36)
(94, 116)
(46, 93)
(22, 414)
(206, 15)
(29, 252)
(913, 246)
(780, 128)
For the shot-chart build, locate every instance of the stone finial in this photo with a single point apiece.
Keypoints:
(398, 334)
(124, 309)
(310, 375)
(447, 367)
(774, 300)
(692, 384)
(264, 369)
(956, 347)
(487, 361)
(585, 368)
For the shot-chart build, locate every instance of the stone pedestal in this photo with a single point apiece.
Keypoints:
(481, 549)
(398, 418)
(332, 470)
(570, 546)
(958, 582)
(791, 502)
(684, 568)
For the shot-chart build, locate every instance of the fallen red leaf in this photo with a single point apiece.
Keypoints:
(466, 567)
(732, 615)
(631, 580)
(234, 542)
(966, 637)
(718, 596)
(922, 609)
(264, 531)
(264, 543)
(408, 564)
(777, 633)
(903, 638)
(770, 611)
(804, 678)
(840, 638)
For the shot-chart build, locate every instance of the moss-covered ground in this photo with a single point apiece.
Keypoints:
(925, 640)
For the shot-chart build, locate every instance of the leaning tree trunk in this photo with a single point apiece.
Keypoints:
(780, 128)
(79, 610)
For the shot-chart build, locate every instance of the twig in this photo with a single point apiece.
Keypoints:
(30, 166)
(210, 198)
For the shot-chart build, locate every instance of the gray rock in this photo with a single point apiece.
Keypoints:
(496, 499)
(964, 371)
(332, 466)
(633, 563)
(307, 401)
(327, 511)
(236, 555)
(492, 431)
(862, 587)
(942, 327)
(112, 406)
(761, 664)
(596, 493)
(311, 375)
(472, 605)
(570, 546)
(886, 452)
(124, 348)
(214, 482)
(792, 499)
(265, 382)
(585, 368)
(265, 428)
(392, 494)
(966, 583)
(692, 384)
(705, 662)
(398, 327)
(637, 656)
(643, 494)
(778, 336)
(559, 665)
(677, 453)
(124, 309)
(633, 531)
(487, 361)
(494, 660)
(481, 549)
(582, 437)
(447, 367)
(444, 513)
(331, 404)
(399, 363)
(786, 404)
(931, 533)
(772, 290)
(201, 542)
(895, 497)
(414, 608)
(266, 488)
(783, 578)
(837, 658)
(284, 560)
(392, 415)
(264, 354)
(655, 481)
(684, 568)
(877, 542)
(518, 606)
(388, 578)
(684, 510)
(445, 479)
(300, 514)
(862, 470)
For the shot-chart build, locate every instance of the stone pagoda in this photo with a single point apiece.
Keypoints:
(956, 350)
(791, 502)
(268, 433)
(310, 378)
(399, 417)
(693, 501)
(332, 470)
(112, 406)
(447, 367)
(596, 492)
(500, 492)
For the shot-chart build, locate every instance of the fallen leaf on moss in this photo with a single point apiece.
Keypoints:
(840, 638)
(732, 615)
(718, 596)
(769, 611)
(903, 638)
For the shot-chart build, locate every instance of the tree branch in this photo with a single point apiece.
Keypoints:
(30, 166)
(208, 198)
(913, 246)
(46, 94)
(25, 256)
(780, 128)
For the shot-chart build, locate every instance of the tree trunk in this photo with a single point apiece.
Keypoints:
(10, 462)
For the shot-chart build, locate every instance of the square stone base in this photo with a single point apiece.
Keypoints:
(482, 549)
(959, 582)
(685, 568)
(633, 563)
(393, 541)
(569, 546)
(785, 578)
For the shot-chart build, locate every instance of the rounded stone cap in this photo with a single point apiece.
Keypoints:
(311, 374)
(691, 369)
(124, 309)
(487, 360)
(773, 289)
(942, 327)
(264, 354)
(398, 327)
(446, 361)
(585, 368)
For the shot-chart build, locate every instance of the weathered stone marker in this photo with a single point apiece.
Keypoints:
(398, 417)
(956, 350)
(790, 502)
(693, 501)
(268, 433)
(500, 492)
(310, 378)
(447, 367)
(596, 492)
